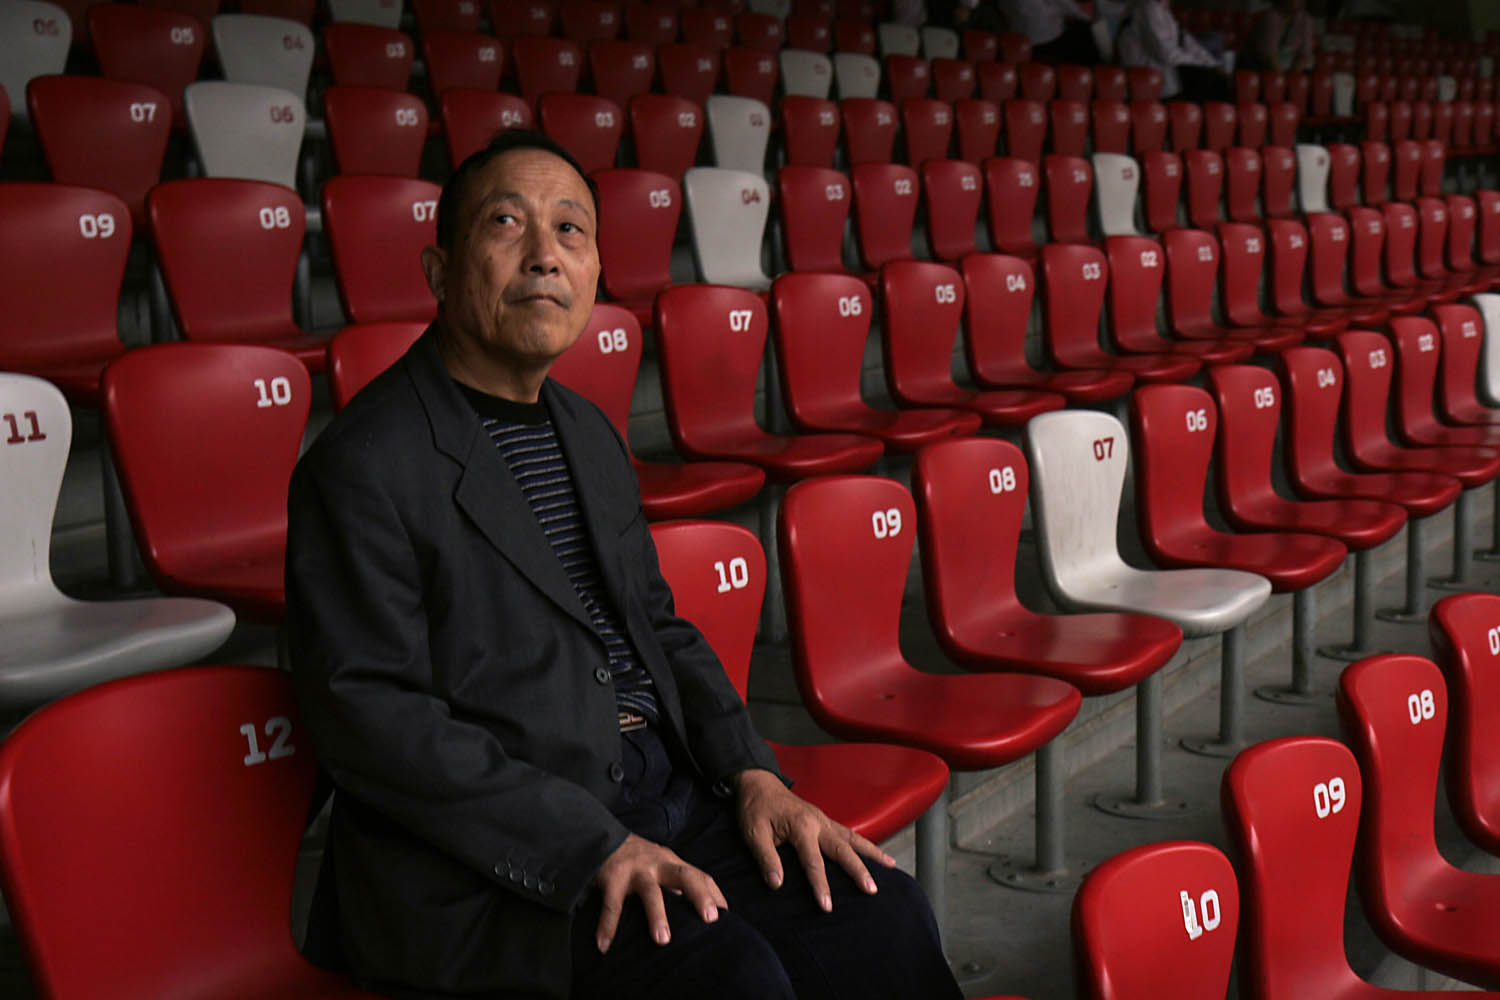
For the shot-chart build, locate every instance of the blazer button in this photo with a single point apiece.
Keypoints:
(601, 674)
(544, 887)
(515, 875)
(530, 882)
(616, 772)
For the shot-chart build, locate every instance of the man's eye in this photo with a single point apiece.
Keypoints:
(504, 218)
(571, 227)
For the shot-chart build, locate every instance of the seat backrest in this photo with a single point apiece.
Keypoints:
(1462, 221)
(1070, 126)
(1434, 156)
(75, 116)
(806, 74)
(538, 18)
(547, 64)
(898, 38)
(822, 322)
(366, 55)
(1148, 127)
(245, 130)
(1172, 439)
(1111, 83)
(38, 429)
(739, 129)
(1025, 129)
(375, 131)
(1070, 181)
(998, 81)
(358, 353)
(1406, 171)
(205, 437)
(1136, 266)
(869, 129)
(1488, 304)
(377, 227)
(711, 338)
(1343, 176)
(1119, 179)
(383, 13)
(856, 73)
(1366, 250)
(1418, 348)
(1284, 120)
(814, 204)
(906, 77)
(269, 51)
(953, 79)
(1170, 905)
(928, 127)
(939, 42)
(1242, 172)
(1432, 237)
(1368, 360)
(139, 44)
(921, 310)
(1110, 127)
(980, 45)
(1421, 121)
(1401, 230)
(1074, 278)
(1463, 333)
(1243, 252)
(810, 130)
(34, 40)
(1465, 630)
(1038, 81)
(1011, 188)
(444, 15)
(205, 816)
(1328, 234)
(1312, 177)
(1288, 238)
(1078, 460)
(1401, 121)
(978, 122)
(1146, 83)
(727, 220)
(846, 544)
(621, 69)
(1313, 378)
(1249, 402)
(952, 191)
(750, 73)
(589, 20)
(885, 210)
(1162, 172)
(999, 290)
(462, 59)
(1254, 121)
(638, 214)
(1279, 180)
(228, 250)
(717, 572)
(603, 363)
(1292, 808)
(666, 130)
(65, 250)
(472, 117)
(1377, 121)
(1192, 263)
(1219, 121)
(854, 35)
(1205, 186)
(688, 70)
(809, 32)
(1015, 48)
(586, 125)
(1375, 171)
(1246, 86)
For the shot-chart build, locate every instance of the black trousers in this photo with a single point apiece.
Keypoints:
(769, 944)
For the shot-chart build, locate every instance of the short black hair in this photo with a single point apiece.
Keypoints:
(504, 142)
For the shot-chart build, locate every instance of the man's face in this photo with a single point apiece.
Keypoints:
(517, 286)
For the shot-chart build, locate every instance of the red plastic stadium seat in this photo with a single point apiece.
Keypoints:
(228, 273)
(869, 129)
(1419, 344)
(1167, 905)
(1406, 170)
(621, 70)
(1460, 628)
(75, 116)
(1329, 241)
(358, 353)
(1025, 129)
(1075, 280)
(1038, 81)
(140, 44)
(711, 339)
(1421, 121)
(443, 15)
(1111, 127)
(707, 27)
(586, 21)
(651, 23)
(1343, 176)
(1070, 126)
(978, 122)
(472, 117)
(536, 17)
(689, 71)
(1137, 265)
(1278, 182)
(544, 65)
(638, 215)
(1011, 186)
(1205, 186)
(1375, 172)
(998, 81)
(205, 437)
(1192, 257)
(1111, 83)
(1145, 83)
(759, 31)
(810, 130)
(751, 73)
(1186, 122)
(997, 309)
(1288, 244)
(1463, 332)
(462, 59)
(1074, 83)
(602, 365)
(809, 33)
(952, 192)
(885, 210)
(1393, 709)
(906, 77)
(822, 322)
(1161, 177)
(853, 36)
(1242, 174)
(211, 921)
(366, 55)
(666, 131)
(1070, 182)
(1285, 118)
(953, 79)
(717, 572)
(1015, 48)
(587, 126)
(375, 131)
(919, 302)
(980, 46)
(377, 227)
(65, 249)
(1254, 123)
(814, 204)
(928, 127)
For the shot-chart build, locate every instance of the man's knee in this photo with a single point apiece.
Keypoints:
(740, 964)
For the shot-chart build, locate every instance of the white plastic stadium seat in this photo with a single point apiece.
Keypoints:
(1312, 178)
(382, 13)
(898, 39)
(246, 131)
(806, 74)
(856, 74)
(34, 40)
(939, 43)
(270, 51)
(1117, 181)
(739, 128)
(727, 212)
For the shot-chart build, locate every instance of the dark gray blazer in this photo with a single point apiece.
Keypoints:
(456, 692)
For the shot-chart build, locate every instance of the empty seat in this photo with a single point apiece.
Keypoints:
(1111, 127)
(869, 130)
(365, 55)
(711, 341)
(218, 762)
(269, 51)
(621, 70)
(1464, 332)
(1242, 173)
(978, 123)
(1137, 266)
(1148, 127)
(1460, 627)
(546, 64)
(589, 20)
(359, 352)
(857, 74)
(822, 322)
(205, 437)
(638, 214)
(472, 117)
(952, 192)
(1204, 170)
(739, 129)
(997, 310)
(1070, 126)
(688, 70)
(377, 228)
(928, 127)
(853, 35)
(727, 212)
(953, 79)
(1254, 122)
(1025, 129)
(1166, 905)
(810, 130)
(1285, 118)
(1186, 122)
(1119, 180)
(1070, 182)
(384, 13)
(375, 131)
(885, 210)
(1162, 195)
(246, 131)
(998, 81)
(1278, 182)
(750, 73)
(806, 74)
(666, 131)
(444, 15)
(1038, 81)
(228, 253)
(34, 41)
(585, 125)
(150, 45)
(1288, 249)
(814, 203)
(1192, 258)
(809, 33)
(1011, 189)
(461, 59)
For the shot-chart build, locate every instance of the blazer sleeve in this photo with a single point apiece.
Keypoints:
(364, 677)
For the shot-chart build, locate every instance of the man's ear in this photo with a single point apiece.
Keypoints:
(435, 266)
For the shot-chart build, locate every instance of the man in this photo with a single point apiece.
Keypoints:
(546, 786)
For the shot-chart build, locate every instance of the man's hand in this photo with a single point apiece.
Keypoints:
(642, 868)
(770, 815)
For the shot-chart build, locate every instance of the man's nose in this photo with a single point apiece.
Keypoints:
(541, 253)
